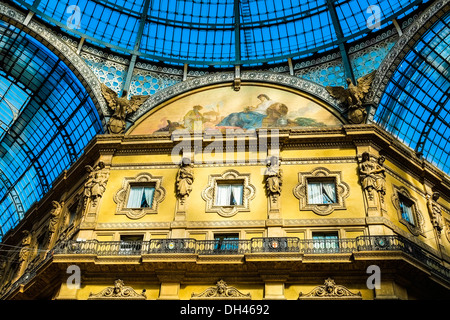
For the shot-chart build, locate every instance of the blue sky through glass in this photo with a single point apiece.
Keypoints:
(54, 119)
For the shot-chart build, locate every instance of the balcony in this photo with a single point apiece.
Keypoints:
(265, 249)
(256, 246)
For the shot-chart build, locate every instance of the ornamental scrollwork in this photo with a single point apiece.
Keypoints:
(330, 290)
(119, 292)
(221, 291)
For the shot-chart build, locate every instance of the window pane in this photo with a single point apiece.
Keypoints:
(229, 194)
(406, 209)
(140, 197)
(321, 192)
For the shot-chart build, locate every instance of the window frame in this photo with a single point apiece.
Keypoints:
(342, 191)
(142, 179)
(228, 177)
(417, 226)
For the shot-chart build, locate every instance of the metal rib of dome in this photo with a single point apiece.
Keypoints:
(415, 106)
(47, 118)
(217, 32)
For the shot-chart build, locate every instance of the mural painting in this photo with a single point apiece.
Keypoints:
(251, 108)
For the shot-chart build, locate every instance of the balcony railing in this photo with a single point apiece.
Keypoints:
(255, 245)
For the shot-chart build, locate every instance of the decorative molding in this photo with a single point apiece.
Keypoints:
(121, 197)
(301, 191)
(118, 292)
(209, 194)
(330, 290)
(419, 221)
(221, 291)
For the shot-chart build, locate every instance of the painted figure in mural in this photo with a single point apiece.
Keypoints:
(121, 107)
(252, 117)
(96, 182)
(194, 119)
(185, 178)
(353, 96)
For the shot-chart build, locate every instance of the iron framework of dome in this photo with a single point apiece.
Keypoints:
(48, 115)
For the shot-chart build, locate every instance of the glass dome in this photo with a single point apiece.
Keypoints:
(46, 120)
(415, 106)
(218, 32)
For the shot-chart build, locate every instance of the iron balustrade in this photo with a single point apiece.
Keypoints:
(255, 245)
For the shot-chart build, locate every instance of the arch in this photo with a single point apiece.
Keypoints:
(305, 86)
(401, 49)
(75, 63)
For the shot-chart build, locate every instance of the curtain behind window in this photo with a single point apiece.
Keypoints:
(140, 197)
(229, 194)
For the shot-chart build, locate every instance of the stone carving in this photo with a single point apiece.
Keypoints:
(435, 211)
(185, 178)
(353, 97)
(221, 291)
(121, 107)
(273, 176)
(55, 214)
(95, 184)
(373, 181)
(24, 253)
(447, 229)
(119, 292)
(330, 290)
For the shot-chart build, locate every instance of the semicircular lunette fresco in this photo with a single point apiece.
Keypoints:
(250, 108)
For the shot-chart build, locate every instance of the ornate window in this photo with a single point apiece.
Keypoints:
(407, 210)
(139, 196)
(228, 193)
(321, 191)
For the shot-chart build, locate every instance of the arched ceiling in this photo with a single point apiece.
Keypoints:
(46, 120)
(218, 32)
(415, 104)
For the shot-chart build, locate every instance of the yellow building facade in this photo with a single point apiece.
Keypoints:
(333, 210)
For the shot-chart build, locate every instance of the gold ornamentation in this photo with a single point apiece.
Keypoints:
(330, 291)
(301, 191)
(142, 179)
(121, 107)
(353, 96)
(119, 292)
(221, 291)
(229, 176)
